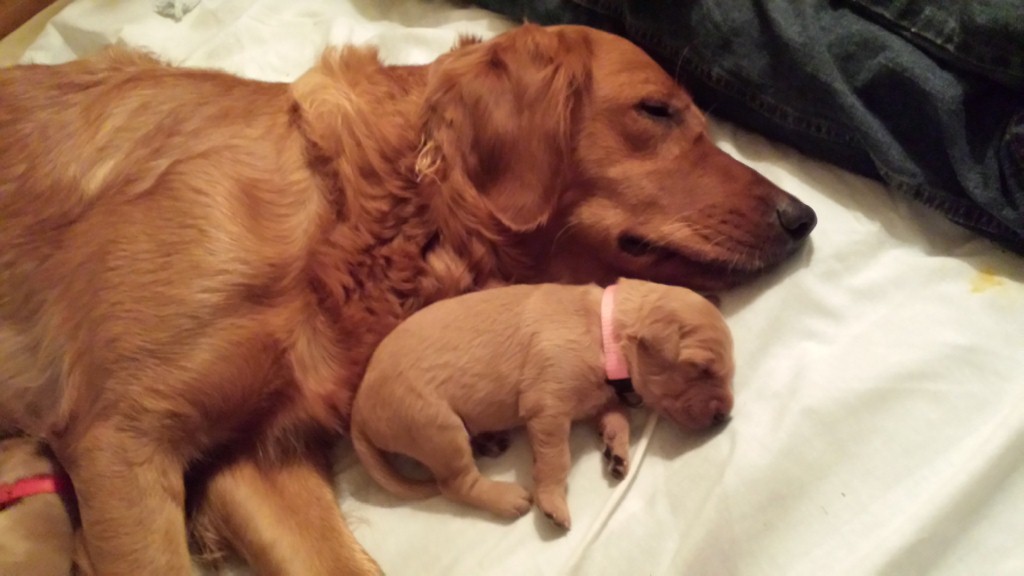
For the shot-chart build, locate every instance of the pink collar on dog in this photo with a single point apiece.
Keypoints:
(614, 362)
(48, 484)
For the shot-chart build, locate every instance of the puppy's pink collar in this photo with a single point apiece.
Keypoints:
(614, 362)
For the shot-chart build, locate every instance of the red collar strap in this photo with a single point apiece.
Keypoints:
(10, 494)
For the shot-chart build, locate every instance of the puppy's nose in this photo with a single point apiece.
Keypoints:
(718, 410)
(796, 218)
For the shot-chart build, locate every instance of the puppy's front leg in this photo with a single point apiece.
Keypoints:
(283, 518)
(131, 501)
(549, 438)
(613, 426)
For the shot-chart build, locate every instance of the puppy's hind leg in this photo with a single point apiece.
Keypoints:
(549, 438)
(447, 453)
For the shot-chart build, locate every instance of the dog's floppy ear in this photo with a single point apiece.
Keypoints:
(499, 114)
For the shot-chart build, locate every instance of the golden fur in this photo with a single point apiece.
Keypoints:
(532, 355)
(195, 268)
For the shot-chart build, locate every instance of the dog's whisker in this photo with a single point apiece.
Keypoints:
(558, 236)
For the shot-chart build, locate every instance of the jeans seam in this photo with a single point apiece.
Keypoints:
(964, 54)
(960, 211)
(602, 7)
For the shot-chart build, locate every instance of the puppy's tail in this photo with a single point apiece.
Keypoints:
(382, 472)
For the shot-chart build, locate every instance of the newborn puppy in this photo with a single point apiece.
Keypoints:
(544, 356)
(36, 531)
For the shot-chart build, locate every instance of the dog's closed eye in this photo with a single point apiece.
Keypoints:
(635, 245)
(656, 110)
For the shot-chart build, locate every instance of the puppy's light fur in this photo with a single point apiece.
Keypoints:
(532, 355)
(36, 533)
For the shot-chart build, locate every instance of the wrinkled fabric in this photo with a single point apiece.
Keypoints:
(925, 96)
(174, 9)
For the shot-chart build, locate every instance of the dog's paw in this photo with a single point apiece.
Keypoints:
(490, 444)
(555, 508)
(618, 462)
(509, 500)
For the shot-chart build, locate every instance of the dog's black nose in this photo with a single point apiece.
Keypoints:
(796, 218)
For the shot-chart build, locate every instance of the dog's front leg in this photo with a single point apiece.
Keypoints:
(283, 518)
(131, 502)
(613, 426)
(549, 438)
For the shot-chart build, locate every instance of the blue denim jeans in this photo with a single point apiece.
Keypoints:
(925, 95)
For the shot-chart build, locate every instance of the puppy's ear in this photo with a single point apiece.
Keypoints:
(700, 361)
(499, 114)
(657, 341)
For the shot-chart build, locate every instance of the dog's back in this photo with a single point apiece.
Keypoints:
(142, 206)
(104, 128)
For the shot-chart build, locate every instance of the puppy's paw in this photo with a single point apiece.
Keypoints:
(509, 500)
(490, 444)
(617, 461)
(616, 451)
(552, 503)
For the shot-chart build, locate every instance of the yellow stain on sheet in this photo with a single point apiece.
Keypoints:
(986, 279)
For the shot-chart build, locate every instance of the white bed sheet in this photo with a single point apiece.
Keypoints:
(879, 420)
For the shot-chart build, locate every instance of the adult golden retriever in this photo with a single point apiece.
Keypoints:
(195, 267)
